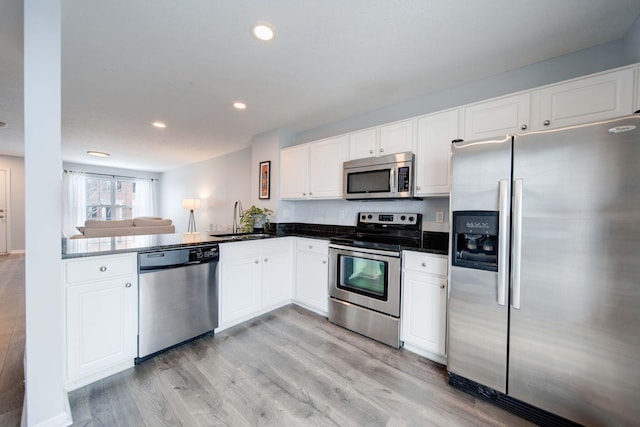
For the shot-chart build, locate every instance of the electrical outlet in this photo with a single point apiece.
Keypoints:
(440, 216)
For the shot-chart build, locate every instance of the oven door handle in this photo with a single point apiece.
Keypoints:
(363, 251)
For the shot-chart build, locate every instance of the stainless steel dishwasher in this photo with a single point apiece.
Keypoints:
(178, 297)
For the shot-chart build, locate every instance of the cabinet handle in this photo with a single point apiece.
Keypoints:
(370, 151)
(304, 194)
(324, 261)
(310, 246)
(257, 261)
(381, 150)
(266, 259)
(441, 286)
(1, 216)
(523, 127)
(127, 285)
(310, 193)
(546, 122)
(103, 268)
(424, 264)
(417, 187)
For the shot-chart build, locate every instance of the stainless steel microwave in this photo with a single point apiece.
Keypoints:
(384, 177)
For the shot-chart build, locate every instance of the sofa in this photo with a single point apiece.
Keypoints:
(125, 227)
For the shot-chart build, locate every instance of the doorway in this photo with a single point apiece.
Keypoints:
(4, 193)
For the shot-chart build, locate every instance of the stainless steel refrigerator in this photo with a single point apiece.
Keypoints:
(544, 298)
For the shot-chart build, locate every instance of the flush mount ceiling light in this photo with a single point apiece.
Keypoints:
(3, 125)
(239, 105)
(262, 31)
(159, 125)
(98, 153)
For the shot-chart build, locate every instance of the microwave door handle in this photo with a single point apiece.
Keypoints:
(392, 184)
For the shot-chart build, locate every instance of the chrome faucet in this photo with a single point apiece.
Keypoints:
(237, 214)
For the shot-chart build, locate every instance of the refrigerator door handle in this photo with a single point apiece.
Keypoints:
(517, 242)
(503, 218)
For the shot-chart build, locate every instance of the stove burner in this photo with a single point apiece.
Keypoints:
(386, 231)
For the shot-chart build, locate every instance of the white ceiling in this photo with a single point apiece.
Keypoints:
(127, 63)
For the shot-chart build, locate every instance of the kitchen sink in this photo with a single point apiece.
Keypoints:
(241, 236)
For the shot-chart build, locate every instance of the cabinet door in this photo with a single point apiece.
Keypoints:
(363, 144)
(496, 118)
(239, 289)
(396, 138)
(277, 273)
(424, 311)
(311, 289)
(581, 101)
(435, 134)
(101, 326)
(325, 167)
(294, 171)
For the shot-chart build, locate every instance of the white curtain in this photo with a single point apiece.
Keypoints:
(74, 202)
(145, 200)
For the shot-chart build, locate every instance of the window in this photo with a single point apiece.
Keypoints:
(104, 197)
(110, 198)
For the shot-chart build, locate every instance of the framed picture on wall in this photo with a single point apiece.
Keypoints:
(265, 180)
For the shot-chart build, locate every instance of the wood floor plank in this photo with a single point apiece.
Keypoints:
(12, 339)
(290, 367)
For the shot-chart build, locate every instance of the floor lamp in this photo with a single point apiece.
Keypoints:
(192, 205)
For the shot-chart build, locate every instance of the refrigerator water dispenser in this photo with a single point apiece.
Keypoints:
(475, 239)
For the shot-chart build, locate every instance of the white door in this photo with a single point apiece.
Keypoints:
(3, 211)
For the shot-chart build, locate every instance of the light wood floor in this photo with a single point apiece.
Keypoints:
(286, 368)
(12, 337)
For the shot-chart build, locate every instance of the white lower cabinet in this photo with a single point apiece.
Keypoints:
(101, 306)
(255, 277)
(424, 304)
(312, 272)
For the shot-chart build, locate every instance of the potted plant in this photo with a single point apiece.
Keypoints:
(254, 219)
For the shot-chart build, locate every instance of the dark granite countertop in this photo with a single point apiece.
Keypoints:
(433, 242)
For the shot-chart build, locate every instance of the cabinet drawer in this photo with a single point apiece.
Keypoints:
(276, 245)
(313, 245)
(240, 249)
(99, 268)
(425, 263)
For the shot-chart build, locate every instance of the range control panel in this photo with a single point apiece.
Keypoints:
(389, 218)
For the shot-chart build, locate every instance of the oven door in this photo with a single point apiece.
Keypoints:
(366, 277)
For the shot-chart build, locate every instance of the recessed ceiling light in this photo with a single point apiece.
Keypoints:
(3, 125)
(160, 125)
(262, 31)
(98, 153)
(239, 105)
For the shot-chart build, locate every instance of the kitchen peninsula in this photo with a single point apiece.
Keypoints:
(256, 274)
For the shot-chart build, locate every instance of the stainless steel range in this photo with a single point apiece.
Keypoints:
(364, 274)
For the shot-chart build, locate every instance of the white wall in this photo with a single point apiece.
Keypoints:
(218, 182)
(16, 201)
(632, 42)
(44, 393)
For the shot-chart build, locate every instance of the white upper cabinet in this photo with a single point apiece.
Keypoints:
(313, 170)
(584, 100)
(499, 117)
(294, 172)
(435, 133)
(397, 138)
(325, 167)
(393, 138)
(363, 143)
